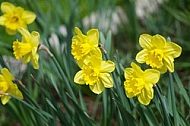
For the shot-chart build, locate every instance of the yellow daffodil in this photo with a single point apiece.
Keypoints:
(140, 83)
(85, 45)
(96, 74)
(15, 17)
(158, 53)
(8, 87)
(27, 49)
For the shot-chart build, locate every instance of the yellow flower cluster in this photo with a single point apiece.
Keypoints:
(157, 53)
(15, 19)
(94, 72)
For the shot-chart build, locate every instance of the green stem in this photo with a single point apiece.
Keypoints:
(164, 108)
(64, 78)
(171, 86)
(105, 108)
(119, 88)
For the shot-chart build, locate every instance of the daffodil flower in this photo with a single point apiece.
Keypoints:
(27, 49)
(140, 83)
(158, 53)
(7, 86)
(85, 45)
(96, 73)
(15, 17)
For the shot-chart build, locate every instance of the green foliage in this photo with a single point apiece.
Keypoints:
(52, 98)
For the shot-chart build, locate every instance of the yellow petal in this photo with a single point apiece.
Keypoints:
(25, 34)
(5, 99)
(149, 91)
(94, 61)
(78, 31)
(140, 57)
(26, 58)
(34, 60)
(2, 20)
(163, 69)
(172, 49)
(129, 94)
(79, 37)
(137, 69)
(10, 31)
(106, 80)
(7, 75)
(15, 91)
(145, 41)
(7, 7)
(151, 76)
(93, 36)
(97, 88)
(169, 63)
(158, 41)
(28, 16)
(79, 78)
(128, 72)
(96, 51)
(4, 86)
(35, 38)
(107, 66)
(146, 95)
(81, 63)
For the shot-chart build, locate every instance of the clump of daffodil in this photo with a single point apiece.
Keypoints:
(140, 83)
(27, 49)
(95, 73)
(157, 52)
(85, 45)
(15, 17)
(8, 87)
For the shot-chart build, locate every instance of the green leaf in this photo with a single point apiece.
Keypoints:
(181, 88)
(171, 86)
(44, 115)
(82, 115)
(150, 116)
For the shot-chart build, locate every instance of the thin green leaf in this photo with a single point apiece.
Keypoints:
(171, 86)
(150, 116)
(181, 88)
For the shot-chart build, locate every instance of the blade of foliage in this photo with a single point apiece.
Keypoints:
(181, 88)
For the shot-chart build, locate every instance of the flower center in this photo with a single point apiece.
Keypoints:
(21, 49)
(90, 75)
(14, 19)
(80, 50)
(154, 58)
(135, 85)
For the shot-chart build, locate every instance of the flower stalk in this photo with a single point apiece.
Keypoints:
(164, 108)
(171, 86)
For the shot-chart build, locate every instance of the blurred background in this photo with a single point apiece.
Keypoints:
(124, 20)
